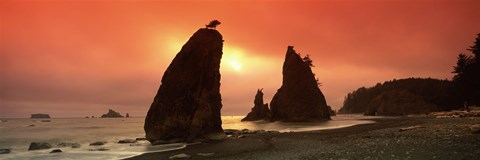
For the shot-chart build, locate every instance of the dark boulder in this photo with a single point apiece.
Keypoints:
(39, 145)
(299, 99)
(112, 114)
(66, 144)
(5, 151)
(39, 116)
(98, 143)
(188, 102)
(259, 111)
(56, 151)
(127, 141)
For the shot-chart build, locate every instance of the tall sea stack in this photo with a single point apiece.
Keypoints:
(187, 105)
(259, 111)
(299, 99)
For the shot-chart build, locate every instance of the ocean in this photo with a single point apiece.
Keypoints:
(17, 134)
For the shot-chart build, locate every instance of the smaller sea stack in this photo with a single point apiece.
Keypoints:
(259, 111)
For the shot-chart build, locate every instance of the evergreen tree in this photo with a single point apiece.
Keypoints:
(467, 74)
(463, 61)
(308, 60)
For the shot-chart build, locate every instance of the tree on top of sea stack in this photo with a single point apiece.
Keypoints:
(188, 102)
(213, 24)
(299, 99)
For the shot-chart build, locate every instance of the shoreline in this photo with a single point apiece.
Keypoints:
(422, 138)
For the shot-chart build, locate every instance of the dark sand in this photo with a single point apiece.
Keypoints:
(447, 138)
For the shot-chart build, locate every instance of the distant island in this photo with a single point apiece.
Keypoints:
(112, 114)
(39, 116)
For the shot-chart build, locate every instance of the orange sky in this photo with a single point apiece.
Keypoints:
(79, 58)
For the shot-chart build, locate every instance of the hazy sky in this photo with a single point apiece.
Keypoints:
(79, 58)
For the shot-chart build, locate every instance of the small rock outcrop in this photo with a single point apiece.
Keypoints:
(56, 151)
(5, 151)
(66, 144)
(332, 112)
(299, 99)
(112, 114)
(98, 143)
(259, 111)
(39, 116)
(39, 145)
(188, 102)
(127, 141)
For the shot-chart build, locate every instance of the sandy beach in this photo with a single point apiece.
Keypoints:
(388, 138)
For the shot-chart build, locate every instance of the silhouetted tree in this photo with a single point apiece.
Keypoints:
(467, 74)
(475, 49)
(213, 24)
(307, 60)
(463, 61)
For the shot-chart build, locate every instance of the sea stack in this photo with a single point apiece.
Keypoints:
(112, 114)
(259, 111)
(187, 105)
(299, 99)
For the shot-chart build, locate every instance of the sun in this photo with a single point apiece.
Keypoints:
(233, 58)
(235, 65)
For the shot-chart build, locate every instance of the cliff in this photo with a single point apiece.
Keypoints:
(188, 102)
(259, 111)
(299, 99)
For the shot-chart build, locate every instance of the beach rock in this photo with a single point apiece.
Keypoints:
(99, 149)
(299, 99)
(39, 116)
(232, 131)
(180, 156)
(45, 121)
(66, 144)
(56, 151)
(475, 128)
(112, 114)
(5, 151)
(273, 131)
(31, 125)
(141, 139)
(205, 154)
(39, 145)
(98, 143)
(188, 102)
(175, 140)
(127, 141)
(259, 111)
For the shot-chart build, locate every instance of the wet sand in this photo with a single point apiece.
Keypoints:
(423, 138)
